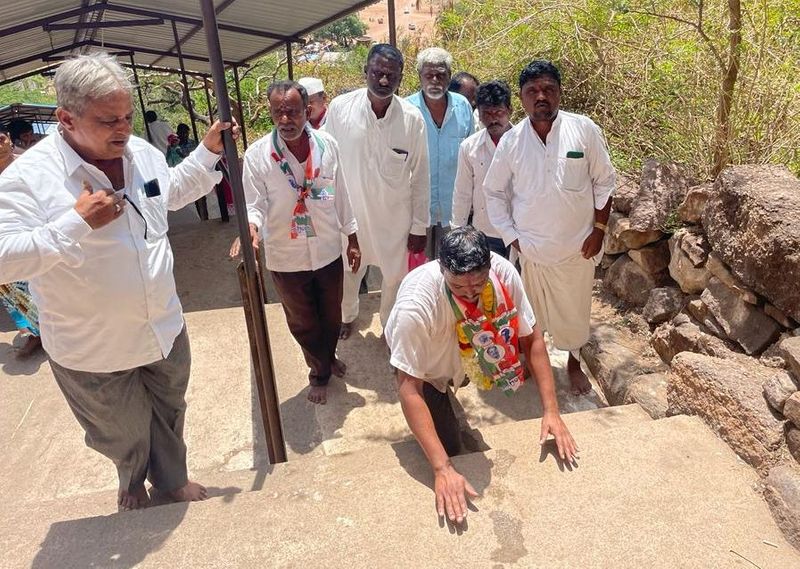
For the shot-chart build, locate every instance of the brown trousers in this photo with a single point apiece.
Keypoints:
(135, 417)
(312, 302)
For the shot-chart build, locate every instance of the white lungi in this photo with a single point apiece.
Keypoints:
(562, 298)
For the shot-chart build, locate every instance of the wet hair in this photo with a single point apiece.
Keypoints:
(457, 82)
(539, 68)
(388, 51)
(494, 93)
(464, 250)
(150, 116)
(286, 85)
(85, 78)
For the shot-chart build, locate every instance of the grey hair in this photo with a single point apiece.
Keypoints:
(434, 56)
(89, 77)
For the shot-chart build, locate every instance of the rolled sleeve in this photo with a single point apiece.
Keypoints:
(601, 171)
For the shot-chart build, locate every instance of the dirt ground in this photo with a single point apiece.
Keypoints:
(377, 20)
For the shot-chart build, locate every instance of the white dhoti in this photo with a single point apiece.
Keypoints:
(562, 298)
(350, 301)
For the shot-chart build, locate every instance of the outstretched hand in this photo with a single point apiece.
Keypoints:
(451, 491)
(553, 424)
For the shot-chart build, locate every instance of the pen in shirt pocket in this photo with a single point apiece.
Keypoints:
(403, 153)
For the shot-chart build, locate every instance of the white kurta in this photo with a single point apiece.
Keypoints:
(385, 164)
(421, 331)
(474, 157)
(553, 195)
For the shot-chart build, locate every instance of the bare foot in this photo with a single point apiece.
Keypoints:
(338, 367)
(580, 383)
(345, 330)
(32, 343)
(318, 394)
(133, 500)
(192, 492)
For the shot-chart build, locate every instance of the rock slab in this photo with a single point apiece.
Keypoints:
(663, 188)
(727, 395)
(672, 338)
(691, 210)
(782, 491)
(691, 278)
(744, 323)
(629, 282)
(663, 304)
(752, 224)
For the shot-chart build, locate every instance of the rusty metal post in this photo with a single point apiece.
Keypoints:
(141, 99)
(251, 283)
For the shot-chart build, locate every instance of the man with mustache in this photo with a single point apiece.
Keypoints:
(561, 181)
(83, 218)
(474, 157)
(448, 121)
(465, 314)
(385, 162)
(297, 198)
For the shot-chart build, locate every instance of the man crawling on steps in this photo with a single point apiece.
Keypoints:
(465, 313)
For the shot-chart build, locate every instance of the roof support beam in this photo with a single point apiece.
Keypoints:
(96, 25)
(392, 23)
(191, 33)
(28, 74)
(41, 56)
(150, 51)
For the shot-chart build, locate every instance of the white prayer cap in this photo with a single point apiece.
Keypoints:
(312, 85)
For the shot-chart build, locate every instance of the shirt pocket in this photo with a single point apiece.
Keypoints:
(393, 165)
(573, 173)
(154, 212)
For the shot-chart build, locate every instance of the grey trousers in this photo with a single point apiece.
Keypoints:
(135, 417)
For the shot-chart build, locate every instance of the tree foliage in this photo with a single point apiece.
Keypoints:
(342, 31)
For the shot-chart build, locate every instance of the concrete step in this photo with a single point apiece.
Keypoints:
(662, 493)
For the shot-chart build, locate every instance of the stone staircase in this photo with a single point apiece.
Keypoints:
(357, 490)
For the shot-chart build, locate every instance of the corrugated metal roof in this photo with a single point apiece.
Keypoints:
(248, 28)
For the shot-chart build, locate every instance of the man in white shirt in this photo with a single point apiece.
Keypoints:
(297, 195)
(465, 314)
(159, 131)
(561, 180)
(385, 161)
(83, 218)
(474, 157)
(317, 100)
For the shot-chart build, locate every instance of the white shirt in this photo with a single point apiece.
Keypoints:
(159, 131)
(385, 162)
(106, 297)
(421, 330)
(474, 157)
(553, 196)
(271, 201)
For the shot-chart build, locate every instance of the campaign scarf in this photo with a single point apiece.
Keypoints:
(488, 337)
(301, 225)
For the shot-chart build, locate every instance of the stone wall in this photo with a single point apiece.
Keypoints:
(715, 271)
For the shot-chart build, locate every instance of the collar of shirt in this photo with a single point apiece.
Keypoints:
(554, 128)
(73, 161)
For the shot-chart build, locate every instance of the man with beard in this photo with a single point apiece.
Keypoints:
(448, 121)
(297, 198)
(385, 163)
(474, 157)
(561, 179)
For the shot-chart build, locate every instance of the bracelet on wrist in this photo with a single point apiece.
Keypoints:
(601, 226)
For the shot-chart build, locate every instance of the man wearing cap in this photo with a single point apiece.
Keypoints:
(548, 193)
(317, 101)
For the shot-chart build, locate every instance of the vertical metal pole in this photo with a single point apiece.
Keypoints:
(289, 61)
(392, 24)
(208, 100)
(257, 322)
(239, 103)
(141, 99)
(186, 92)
